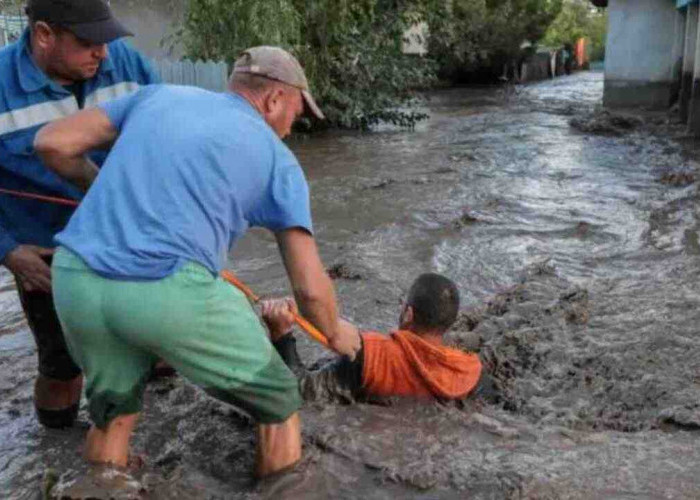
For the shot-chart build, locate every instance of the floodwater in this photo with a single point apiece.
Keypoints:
(577, 256)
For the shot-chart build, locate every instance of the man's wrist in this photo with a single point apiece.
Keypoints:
(281, 336)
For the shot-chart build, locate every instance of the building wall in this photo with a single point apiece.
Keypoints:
(640, 64)
(152, 22)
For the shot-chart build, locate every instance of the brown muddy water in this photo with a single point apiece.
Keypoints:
(577, 256)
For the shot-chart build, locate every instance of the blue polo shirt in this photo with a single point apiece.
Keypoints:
(190, 172)
(30, 99)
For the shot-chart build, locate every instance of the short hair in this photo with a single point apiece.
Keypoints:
(435, 302)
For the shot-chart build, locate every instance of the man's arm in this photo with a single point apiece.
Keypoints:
(313, 290)
(62, 145)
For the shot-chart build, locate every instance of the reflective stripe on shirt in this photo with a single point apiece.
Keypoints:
(106, 94)
(19, 119)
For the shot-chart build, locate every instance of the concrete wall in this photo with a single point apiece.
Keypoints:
(693, 109)
(691, 36)
(679, 51)
(151, 21)
(641, 56)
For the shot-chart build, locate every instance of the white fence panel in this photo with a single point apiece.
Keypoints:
(11, 27)
(210, 75)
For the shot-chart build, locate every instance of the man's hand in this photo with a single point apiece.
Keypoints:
(346, 339)
(278, 316)
(27, 264)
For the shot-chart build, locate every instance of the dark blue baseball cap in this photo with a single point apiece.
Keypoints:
(90, 20)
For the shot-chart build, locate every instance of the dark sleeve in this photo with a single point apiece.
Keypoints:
(339, 380)
(7, 243)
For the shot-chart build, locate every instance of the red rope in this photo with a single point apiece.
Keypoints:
(40, 197)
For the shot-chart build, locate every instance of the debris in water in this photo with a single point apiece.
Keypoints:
(464, 220)
(342, 271)
(678, 179)
(685, 417)
(582, 229)
(445, 170)
(420, 181)
(606, 123)
(382, 184)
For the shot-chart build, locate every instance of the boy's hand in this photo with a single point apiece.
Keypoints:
(278, 314)
(27, 263)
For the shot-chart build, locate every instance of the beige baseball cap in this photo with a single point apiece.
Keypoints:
(277, 64)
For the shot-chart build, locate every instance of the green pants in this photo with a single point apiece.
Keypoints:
(199, 324)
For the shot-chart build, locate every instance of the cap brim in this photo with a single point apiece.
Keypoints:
(100, 31)
(311, 104)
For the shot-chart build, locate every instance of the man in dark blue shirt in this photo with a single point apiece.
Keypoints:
(69, 58)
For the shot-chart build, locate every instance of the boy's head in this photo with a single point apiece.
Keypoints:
(432, 305)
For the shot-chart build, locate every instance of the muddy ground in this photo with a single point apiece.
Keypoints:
(573, 235)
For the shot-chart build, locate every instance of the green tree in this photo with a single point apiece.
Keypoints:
(476, 35)
(351, 50)
(579, 19)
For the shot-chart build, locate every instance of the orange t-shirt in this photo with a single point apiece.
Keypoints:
(404, 364)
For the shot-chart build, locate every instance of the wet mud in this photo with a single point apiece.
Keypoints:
(577, 256)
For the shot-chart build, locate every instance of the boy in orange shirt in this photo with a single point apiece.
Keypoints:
(411, 361)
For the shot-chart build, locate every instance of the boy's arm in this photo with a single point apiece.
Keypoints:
(339, 380)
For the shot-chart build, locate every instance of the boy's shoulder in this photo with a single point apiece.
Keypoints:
(376, 337)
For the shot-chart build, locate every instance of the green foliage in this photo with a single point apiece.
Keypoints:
(597, 34)
(12, 7)
(221, 29)
(350, 49)
(472, 35)
(579, 19)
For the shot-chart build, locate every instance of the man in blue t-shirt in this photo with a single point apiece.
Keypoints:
(136, 277)
(69, 58)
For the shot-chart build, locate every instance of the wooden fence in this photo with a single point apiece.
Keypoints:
(209, 75)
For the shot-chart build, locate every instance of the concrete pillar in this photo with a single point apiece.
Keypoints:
(691, 36)
(639, 54)
(694, 108)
